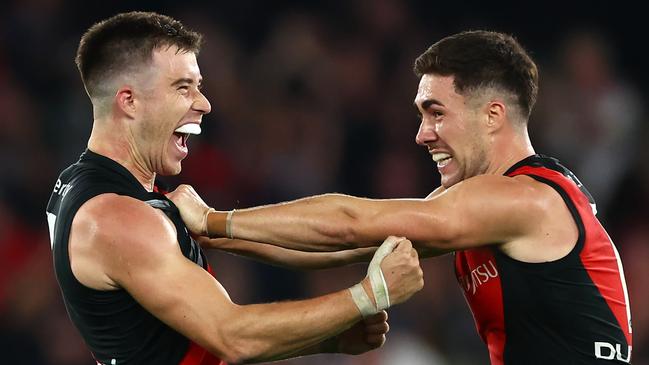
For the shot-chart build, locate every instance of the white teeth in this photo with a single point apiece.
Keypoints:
(190, 128)
(437, 157)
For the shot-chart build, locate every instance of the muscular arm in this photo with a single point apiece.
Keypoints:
(482, 210)
(120, 242)
(294, 259)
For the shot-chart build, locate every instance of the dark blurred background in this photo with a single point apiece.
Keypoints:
(315, 97)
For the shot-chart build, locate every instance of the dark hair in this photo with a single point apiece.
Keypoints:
(126, 40)
(478, 59)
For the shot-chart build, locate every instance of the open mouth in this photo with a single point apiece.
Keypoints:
(183, 132)
(442, 159)
(181, 138)
(189, 128)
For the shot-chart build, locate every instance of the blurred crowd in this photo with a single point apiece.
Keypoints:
(310, 98)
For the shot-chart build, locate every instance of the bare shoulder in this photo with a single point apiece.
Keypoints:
(552, 230)
(526, 199)
(496, 208)
(521, 191)
(118, 220)
(111, 232)
(542, 196)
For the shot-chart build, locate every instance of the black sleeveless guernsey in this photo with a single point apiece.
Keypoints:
(114, 326)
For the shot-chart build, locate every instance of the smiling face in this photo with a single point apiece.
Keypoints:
(170, 98)
(452, 129)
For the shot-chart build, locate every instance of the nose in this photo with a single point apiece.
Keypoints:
(426, 134)
(201, 104)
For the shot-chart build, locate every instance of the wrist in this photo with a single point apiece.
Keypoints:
(215, 223)
(228, 224)
(364, 303)
(205, 230)
(367, 286)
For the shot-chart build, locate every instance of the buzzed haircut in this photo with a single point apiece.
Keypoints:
(483, 59)
(125, 42)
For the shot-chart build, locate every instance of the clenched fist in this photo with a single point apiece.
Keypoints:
(402, 272)
(193, 209)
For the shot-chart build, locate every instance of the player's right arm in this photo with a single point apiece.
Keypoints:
(304, 260)
(483, 210)
(120, 242)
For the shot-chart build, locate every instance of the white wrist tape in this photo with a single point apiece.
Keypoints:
(380, 289)
(379, 286)
(205, 229)
(228, 224)
(362, 300)
(377, 281)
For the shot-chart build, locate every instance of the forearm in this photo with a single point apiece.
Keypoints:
(327, 346)
(263, 332)
(323, 223)
(293, 259)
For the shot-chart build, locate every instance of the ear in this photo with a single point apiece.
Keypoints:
(496, 115)
(125, 101)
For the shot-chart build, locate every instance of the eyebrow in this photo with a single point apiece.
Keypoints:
(428, 102)
(185, 80)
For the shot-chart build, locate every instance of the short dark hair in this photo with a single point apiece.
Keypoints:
(478, 59)
(126, 40)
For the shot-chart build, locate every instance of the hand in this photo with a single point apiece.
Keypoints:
(192, 208)
(402, 272)
(364, 336)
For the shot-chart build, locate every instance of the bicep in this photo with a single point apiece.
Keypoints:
(179, 293)
(142, 256)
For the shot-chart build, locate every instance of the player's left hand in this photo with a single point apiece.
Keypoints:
(365, 335)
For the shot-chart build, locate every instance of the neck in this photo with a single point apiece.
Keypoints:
(509, 150)
(119, 146)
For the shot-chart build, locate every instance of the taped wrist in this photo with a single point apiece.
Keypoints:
(362, 300)
(228, 224)
(377, 282)
(205, 228)
(380, 288)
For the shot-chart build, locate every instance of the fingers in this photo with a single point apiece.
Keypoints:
(184, 189)
(393, 239)
(414, 254)
(181, 190)
(377, 328)
(402, 272)
(382, 316)
(387, 246)
(377, 324)
(403, 245)
(375, 340)
(375, 334)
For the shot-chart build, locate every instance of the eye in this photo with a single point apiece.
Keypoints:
(183, 89)
(437, 114)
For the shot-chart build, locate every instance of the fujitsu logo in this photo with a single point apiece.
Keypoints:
(478, 276)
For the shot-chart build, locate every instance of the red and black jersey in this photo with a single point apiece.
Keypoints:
(574, 310)
(116, 328)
